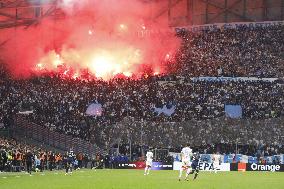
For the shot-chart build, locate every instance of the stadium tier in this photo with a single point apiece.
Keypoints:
(83, 86)
(104, 111)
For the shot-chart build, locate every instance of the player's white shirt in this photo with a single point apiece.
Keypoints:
(186, 154)
(149, 156)
(216, 162)
(216, 158)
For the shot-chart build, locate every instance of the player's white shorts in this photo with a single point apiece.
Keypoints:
(185, 163)
(149, 163)
(215, 165)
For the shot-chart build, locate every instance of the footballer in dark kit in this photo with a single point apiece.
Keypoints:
(194, 164)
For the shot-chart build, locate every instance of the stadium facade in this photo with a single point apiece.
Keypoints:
(175, 12)
(199, 12)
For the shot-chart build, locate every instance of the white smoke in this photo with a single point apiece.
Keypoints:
(70, 6)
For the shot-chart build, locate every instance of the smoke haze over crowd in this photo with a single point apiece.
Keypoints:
(102, 37)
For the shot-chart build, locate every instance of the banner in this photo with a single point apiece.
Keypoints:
(209, 167)
(265, 167)
(26, 112)
(224, 79)
(127, 166)
(165, 110)
(94, 109)
(161, 166)
(203, 157)
(207, 27)
(256, 167)
(238, 166)
(205, 166)
(233, 111)
(142, 165)
(234, 25)
(235, 158)
(176, 156)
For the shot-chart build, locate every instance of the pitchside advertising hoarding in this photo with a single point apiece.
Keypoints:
(142, 165)
(264, 167)
(132, 165)
(205, 166)
(257, 167)
(162, 166)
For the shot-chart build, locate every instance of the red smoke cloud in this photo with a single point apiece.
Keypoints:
(102, 37)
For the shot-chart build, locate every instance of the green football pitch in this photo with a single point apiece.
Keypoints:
(134, 179)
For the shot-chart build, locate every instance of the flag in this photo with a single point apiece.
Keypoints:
(165, 110)
(233, 111)
(94, 109)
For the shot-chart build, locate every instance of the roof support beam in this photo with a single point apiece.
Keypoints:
(226, 10)
(264, 10)
(172, 3)
(190, 11)
(282, 10)
(244, 8)
(206, 12)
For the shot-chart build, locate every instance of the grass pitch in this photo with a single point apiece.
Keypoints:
(134, 179)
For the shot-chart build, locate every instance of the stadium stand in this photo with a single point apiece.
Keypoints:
(167, 111)
(233, 52)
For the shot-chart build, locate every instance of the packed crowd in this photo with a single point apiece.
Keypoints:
(233, 52)
(13, 157)
(198, 106)
(225, 136)
(61, 104)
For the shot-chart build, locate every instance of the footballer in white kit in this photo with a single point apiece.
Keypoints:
(186, 154)
(149, 160)
(216, 162)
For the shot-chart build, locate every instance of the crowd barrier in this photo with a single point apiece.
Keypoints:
(203, 166)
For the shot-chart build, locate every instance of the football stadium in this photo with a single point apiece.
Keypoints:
(150, 94)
